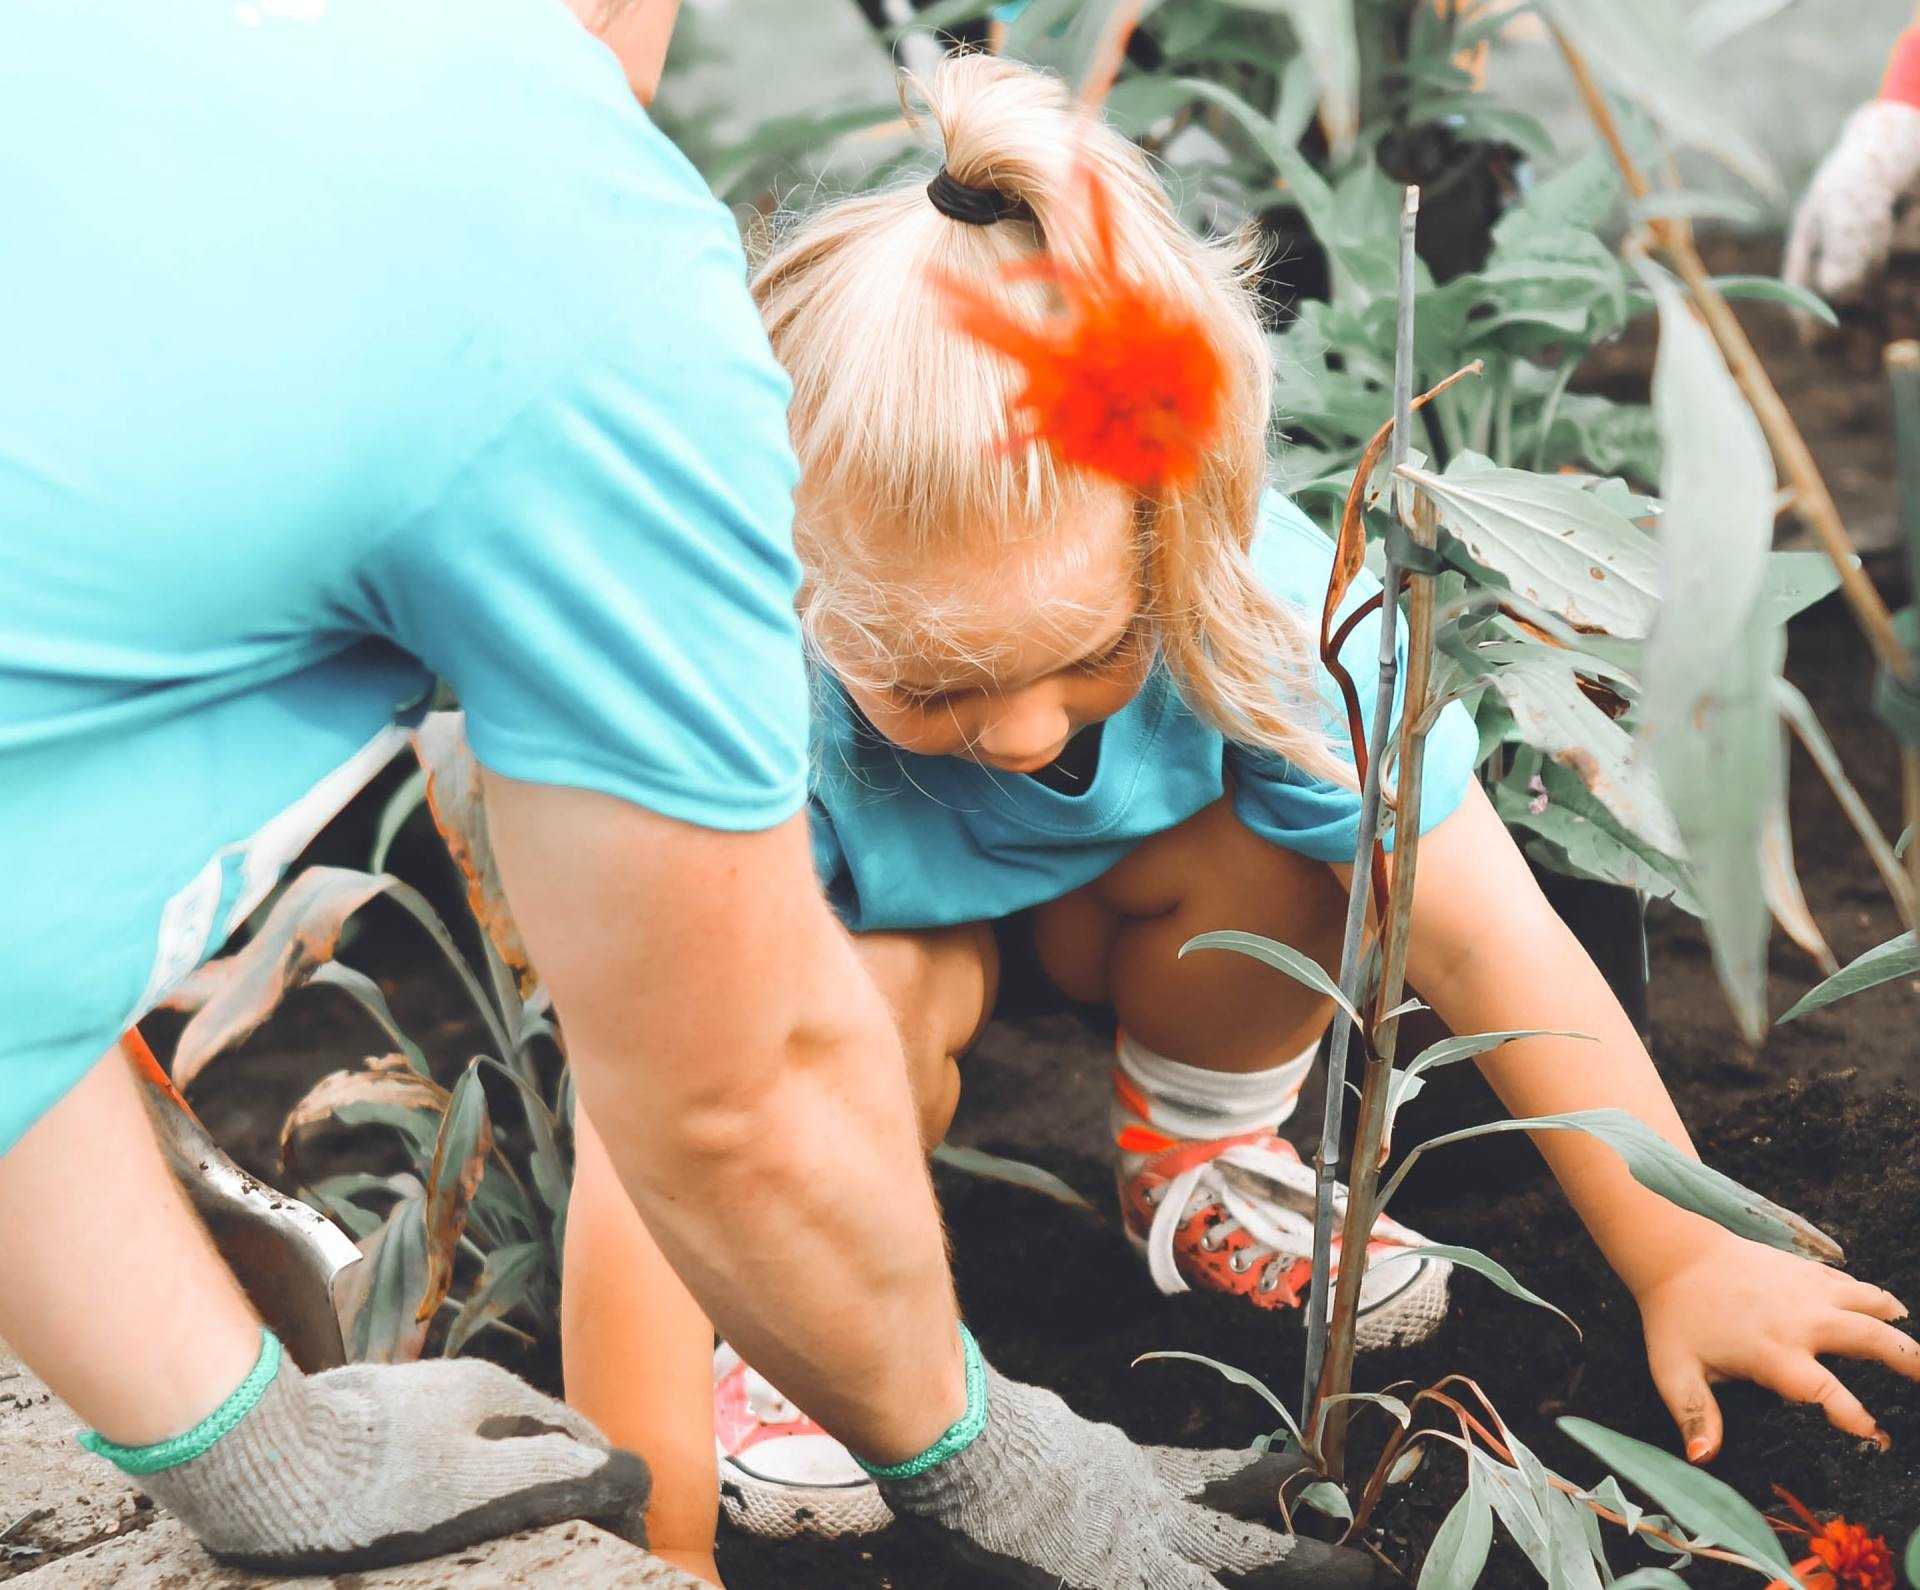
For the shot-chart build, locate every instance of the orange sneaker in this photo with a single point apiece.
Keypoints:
(1235, 1215)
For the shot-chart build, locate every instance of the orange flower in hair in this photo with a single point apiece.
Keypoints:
(1116, 379)
(1843, 1555)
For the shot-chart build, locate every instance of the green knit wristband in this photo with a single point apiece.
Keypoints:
(185, 1448)
(961, 1434)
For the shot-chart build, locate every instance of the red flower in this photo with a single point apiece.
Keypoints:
(1118, 380)
(1844, 1556)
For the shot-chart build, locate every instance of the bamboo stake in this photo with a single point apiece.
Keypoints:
(1673, 237)
(1330, 1374)
(1903, 377)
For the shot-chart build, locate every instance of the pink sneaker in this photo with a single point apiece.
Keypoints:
(781, 1474)
(1235, 1215)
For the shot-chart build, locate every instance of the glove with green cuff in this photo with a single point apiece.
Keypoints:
(1039, 1498)
(373, 1464)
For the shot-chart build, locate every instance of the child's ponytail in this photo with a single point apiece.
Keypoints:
(901, 423)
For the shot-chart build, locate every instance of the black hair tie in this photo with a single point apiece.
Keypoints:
(974, 206)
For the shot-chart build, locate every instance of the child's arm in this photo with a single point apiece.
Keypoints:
(1489, 954)
(638, 1353)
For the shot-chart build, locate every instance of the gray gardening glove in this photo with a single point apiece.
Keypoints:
(377, 1464)
(1844, 229)
(1043, 1499)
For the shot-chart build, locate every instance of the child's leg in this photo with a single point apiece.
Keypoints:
(1213, 1051)
(638, 1354)
(114, 1295)
(1118, 940)
(940, 986)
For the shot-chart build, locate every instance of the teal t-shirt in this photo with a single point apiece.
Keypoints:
(346, 343)
(904, 841)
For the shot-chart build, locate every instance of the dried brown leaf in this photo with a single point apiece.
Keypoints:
(235, 994)
(454, 798)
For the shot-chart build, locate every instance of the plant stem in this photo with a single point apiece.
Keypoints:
(1810, 497)
(1330, 1341)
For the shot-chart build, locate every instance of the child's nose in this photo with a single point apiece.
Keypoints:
(1030, 728)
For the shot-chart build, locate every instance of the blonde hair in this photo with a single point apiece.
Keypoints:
(900, 422)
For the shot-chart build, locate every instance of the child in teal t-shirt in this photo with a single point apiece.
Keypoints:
(1038, 693)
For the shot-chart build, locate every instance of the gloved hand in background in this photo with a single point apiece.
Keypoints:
(1844, 228)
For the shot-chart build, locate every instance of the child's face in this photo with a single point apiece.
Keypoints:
(1040, 640)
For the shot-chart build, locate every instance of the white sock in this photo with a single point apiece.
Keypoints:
(1186, 1101)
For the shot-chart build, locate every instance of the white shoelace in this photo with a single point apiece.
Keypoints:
(1281, 1235)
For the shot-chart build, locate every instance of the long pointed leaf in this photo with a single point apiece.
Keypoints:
(1282, 958)
(1480, 1263)
(1706, 1507)
(1898, 957)
(1016, 1173)
(1240, 1378)
(459, 1161)
(1458, 1553)
(1656, 1164)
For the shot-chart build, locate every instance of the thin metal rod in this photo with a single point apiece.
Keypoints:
(1352, 956)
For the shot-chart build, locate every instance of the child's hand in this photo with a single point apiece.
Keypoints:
(1736, 1310)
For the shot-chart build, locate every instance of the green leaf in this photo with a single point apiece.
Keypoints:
(1481, 1264)
(1640, 50)
(1705, 1507)
(1282, 958)
(1717, 21)
(1793, 582)
(1578, 836)
(551, 1177)
(1657, 1164)
(1772, 290)
(1240, 1378)
(1325, 30)
(1552, 541)
(1323, 1496)
(1799, 712)
(1898, 957)
(459, 1161)
(1716, 526)
(1541, 687)
(1016, 1173)
(1913, 1559)
(1707, 711)
(1651, 1579)
(400, 805)
(509, 1279)
(1458, 1553)
(380, 1297)
(385, 1091)
(360, 987)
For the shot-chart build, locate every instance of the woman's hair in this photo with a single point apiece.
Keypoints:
(901, 422)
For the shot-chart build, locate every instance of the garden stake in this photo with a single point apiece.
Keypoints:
(1903, 377)
(1330, 1341)
(1673, 237)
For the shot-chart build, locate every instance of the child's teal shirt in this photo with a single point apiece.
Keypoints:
(904, 841)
